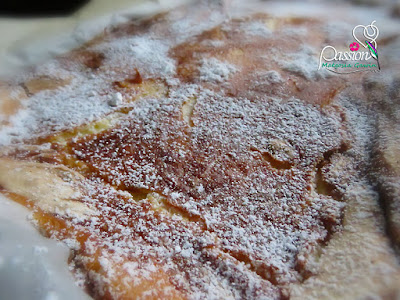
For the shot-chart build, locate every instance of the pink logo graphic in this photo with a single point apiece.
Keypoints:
(354, 46)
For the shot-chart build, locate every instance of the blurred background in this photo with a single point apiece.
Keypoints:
(33, 30)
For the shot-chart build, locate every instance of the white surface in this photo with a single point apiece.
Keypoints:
(31, 267)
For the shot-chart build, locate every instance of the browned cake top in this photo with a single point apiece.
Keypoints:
(204, 155)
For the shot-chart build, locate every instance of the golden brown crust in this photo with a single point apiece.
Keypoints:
(203, 162)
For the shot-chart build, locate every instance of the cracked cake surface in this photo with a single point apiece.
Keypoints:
(193, 155)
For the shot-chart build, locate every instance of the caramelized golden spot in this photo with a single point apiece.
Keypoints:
(235, 56)
(75, 164)
(277, 164)
(139, 88)
(145, 89)
(160, 204)
(136, 79)
(88, 129)
(322, 186)
(150, 88)
(92, 60)
(157, 283)
(16, 197)
(150, 285)
(187, 110)
(273, 23)
(42, 83)
(139, 194)
(298, 20)
(36, 182)
(215, 34)
(10, 102)
(278, 153)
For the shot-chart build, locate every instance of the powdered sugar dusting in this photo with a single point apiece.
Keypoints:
(304, 63)
(257, 29)
(213, 70)
(188, 23)
(55, 110)
(228, 201)
(146, 53)
(241, 207)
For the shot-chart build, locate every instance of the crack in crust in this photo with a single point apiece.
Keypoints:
(213, 178)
